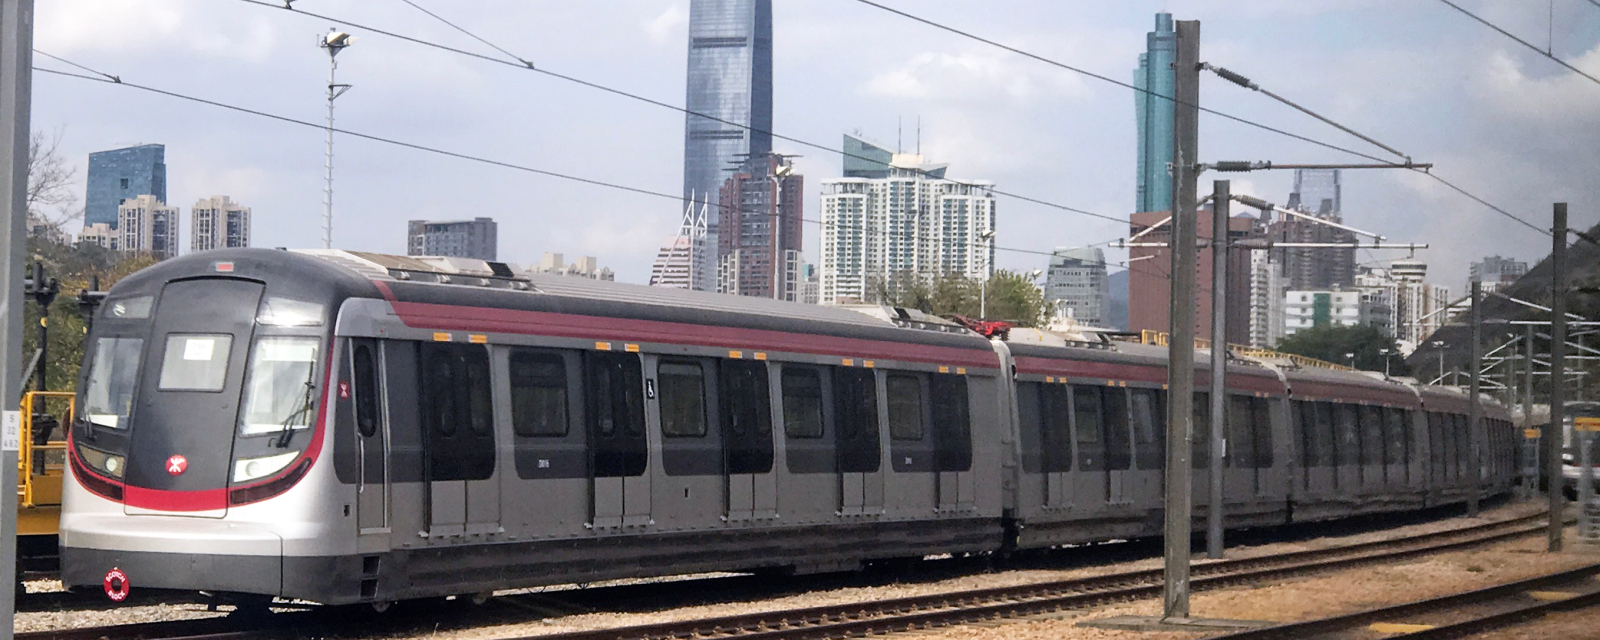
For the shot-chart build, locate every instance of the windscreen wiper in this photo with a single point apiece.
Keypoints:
(300, 413)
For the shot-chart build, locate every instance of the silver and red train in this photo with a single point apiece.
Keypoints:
(344, 427)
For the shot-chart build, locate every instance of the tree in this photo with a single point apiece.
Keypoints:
(1365, 348)
(51, 202)
(73, 266)
(1010, 296)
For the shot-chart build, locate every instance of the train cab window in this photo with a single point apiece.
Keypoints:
(905, 406)
(1200, 438)
(1086, 428)
(112, 374)
(280, 389)
(802, 403)
(1149, 428)
(1372, 440)
(952, 422)
(855, 419)
(746, 416)
(1114, 402)
(615, 400)
(457, 412)
(1348, 435)
(538, 394)
(366, 390)
(195, 362)
(683, 399)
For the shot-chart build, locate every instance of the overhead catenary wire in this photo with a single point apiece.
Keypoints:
(522, 64)
(1522, 42)
(1097, 76)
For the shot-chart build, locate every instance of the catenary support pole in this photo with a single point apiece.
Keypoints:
(1532, 479)
(1180, 346)
(16, 103)
(1558, 376)
(1219, 365)
(1474, 412)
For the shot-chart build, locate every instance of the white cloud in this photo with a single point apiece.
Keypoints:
(670, 24)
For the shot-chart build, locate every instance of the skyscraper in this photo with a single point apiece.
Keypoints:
(759, 234)
(1150, 287)
(476, 238)
(1153, 109)
(1077, 279)
(876, 233)
(218, 223)
(122, 174)
(729, 81)
(1318, 191)
(1496, 273)
(148, 226)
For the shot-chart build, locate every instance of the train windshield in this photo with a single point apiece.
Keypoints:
(111, 378)
(281, 389)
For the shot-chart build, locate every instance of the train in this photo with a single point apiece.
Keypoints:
(344, 428)
(1571, 451)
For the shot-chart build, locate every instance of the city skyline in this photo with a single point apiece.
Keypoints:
(917, 72)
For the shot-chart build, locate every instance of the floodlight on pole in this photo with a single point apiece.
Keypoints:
(988, 270)
(334, 41)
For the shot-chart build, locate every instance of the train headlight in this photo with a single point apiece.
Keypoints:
(112, 465)
(252, 468)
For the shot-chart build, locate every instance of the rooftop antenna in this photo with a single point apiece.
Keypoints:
(899, 134)
(919, 135)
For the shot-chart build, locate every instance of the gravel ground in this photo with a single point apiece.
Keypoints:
(37, 621)
(1571, 625)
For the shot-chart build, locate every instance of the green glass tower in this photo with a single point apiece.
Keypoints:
(1153, 108)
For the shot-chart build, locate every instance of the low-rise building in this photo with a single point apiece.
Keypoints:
(148, 226)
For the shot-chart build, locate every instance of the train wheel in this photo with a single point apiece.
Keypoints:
(482, 597)
(382, 606)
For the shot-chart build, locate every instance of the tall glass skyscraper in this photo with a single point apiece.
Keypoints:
(730, 79)
(123, 174)
(1153, 108)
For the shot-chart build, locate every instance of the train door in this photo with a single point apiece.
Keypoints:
(1200, 449)
(1396, 456)
(857, 444)
(458, 439)
(1373, 448)
(1119, 447)
(1055, 424)
(618, 446)
(746, 407)
(1089, 440)
(194, 379)
(372, 445)
(1149, 423)
(1349, 469)
(952, 441)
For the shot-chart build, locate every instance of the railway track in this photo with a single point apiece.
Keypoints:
(1452, 616)
(855, 619)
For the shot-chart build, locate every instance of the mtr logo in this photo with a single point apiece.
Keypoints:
(176, 465)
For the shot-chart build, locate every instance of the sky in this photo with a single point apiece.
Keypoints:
(1495, 118)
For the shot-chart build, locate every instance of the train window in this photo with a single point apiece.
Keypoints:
(133, 308)
(1241, 434)
(855, 418)
(1394, 436)
(366, 391)
(615, 398)
(1200, 438)
(1056, 425)
(1261, 418)
(1436, 446)
(802, 403)
(952, 422)
(1114, 402)
(746, 416)
(1149, 428)
(1349, 437)
(1372, 448)
(112, 374)
(1030, 419)
(1086, 414)
(683, 399)
(195, 362)
(538, 394)
(280, 390)
(457, 413)
(905, 407)
(284, 312)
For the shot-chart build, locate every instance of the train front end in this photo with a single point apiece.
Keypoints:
(202, 412)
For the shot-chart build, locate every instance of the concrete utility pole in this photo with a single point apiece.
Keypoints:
(1221, 193)
(1558, 375)
(16, 104)
(1531, 471)
(1475, 414)
(1180, 345)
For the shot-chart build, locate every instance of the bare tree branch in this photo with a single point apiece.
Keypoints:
(51, 201)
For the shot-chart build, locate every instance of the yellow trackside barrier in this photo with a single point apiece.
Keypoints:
(42, 461)
(1159, 338)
